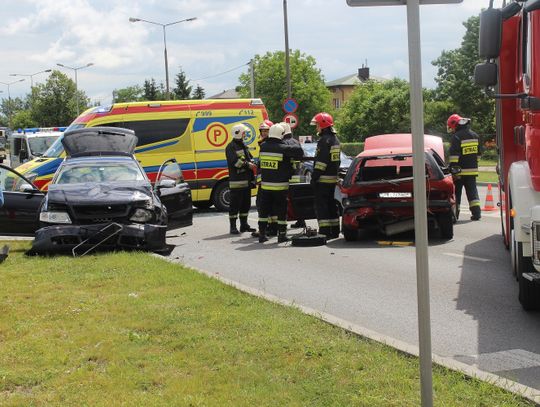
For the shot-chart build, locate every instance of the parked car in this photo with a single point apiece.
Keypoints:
(378, 187)
(99, 196)
(306, 167)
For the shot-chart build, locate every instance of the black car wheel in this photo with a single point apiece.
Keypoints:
(349, 234)
(222, 197)
(446, 225)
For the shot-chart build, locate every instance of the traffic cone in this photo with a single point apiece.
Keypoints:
(489, 206)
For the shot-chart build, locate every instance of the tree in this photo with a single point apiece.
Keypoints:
(10, 107)
(23, 119)
(150, 90)
(54, 103)
(307, 84)
(129, 94)
(455, 81)
(182, 90)
(375, 108)
(199, 92)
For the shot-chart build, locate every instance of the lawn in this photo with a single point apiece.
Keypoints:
(131, 329)
(488, 176)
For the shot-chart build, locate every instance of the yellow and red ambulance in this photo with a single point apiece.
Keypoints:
(195, 132)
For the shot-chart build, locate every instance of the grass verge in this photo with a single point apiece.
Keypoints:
(487, 176)
(131, 329)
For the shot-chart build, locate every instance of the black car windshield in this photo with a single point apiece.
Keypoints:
(99, 172)
(311, 148)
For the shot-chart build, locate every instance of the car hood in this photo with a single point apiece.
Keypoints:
(99, 194)
(94, 140)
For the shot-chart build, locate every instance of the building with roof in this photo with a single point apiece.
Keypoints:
(342, 88)
(226, 94)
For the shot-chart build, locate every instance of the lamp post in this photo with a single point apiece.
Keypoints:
(8, 84)
(31, 76)
(76, 86)
(163, 26)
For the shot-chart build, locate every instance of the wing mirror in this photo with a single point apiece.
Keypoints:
(26, 188)
(166, 183)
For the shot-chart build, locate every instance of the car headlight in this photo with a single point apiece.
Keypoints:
(141, 215)
(54, 217)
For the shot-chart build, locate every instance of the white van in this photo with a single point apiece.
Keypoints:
(27, 144)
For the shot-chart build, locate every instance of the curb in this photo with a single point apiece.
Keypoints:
(413, 350)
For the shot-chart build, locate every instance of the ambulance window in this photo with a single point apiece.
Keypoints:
(153, 131)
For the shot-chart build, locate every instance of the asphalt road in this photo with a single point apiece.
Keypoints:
(476, 316)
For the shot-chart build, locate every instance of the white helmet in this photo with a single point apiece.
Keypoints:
(276, 131)
(286, 128)
(239, 131)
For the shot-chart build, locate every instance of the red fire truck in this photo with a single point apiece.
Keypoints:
(510, 42)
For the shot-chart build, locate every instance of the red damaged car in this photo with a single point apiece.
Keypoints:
(377, 192)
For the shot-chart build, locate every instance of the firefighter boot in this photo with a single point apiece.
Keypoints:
(272, 229)
(244, 226)
(476, 213)
(262, 233)
(282, 234)
(234, 230)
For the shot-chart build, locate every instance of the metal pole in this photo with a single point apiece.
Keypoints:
(166, 66)
(287, 66)
(420, 207)
(9, 102)
(76, 92)
(252, 74)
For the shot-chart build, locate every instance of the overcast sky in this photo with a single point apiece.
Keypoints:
(38, 34)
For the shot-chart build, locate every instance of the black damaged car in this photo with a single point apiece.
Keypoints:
(100, 197)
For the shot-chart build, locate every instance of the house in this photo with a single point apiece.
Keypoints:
(226, 94)
(343, 87)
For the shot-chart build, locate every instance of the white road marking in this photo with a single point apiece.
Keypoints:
(462, 256)
(504, 360)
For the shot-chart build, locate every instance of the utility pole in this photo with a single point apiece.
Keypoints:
(252, 77)
(287, 66)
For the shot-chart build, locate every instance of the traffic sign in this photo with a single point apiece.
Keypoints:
(290, 106)
(367, 3)
(291, 119)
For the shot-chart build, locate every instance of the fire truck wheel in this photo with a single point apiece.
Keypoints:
(222, 197)
(349, 234)
(529, 293)
(303, 240)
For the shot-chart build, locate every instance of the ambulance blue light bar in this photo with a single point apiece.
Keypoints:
(42, 129)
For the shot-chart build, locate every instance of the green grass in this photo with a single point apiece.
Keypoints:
(487, 163)
(130, 329)
(487, 176)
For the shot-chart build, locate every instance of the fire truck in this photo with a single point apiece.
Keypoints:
(510, 43)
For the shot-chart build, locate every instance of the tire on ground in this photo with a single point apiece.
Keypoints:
(446, 224)
(349, 234)
(303, 240)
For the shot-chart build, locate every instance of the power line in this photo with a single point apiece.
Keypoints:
(219, 74)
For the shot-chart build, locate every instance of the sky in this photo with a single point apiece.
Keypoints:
(38, 34)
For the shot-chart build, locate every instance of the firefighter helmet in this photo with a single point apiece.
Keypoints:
(323, 120)
(276, 131)
(454, 121)
(239, 131)
(266, 125)
(286, 128)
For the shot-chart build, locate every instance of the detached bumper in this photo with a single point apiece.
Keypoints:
(64, 238)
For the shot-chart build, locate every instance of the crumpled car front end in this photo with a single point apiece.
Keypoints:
(88, 217)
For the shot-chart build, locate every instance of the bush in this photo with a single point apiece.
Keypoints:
(352, 149)
(490, 154)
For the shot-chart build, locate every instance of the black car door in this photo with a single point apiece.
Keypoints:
(174, 193)
(19, 208)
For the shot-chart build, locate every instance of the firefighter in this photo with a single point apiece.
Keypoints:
(275, 166)
(264, 128)
(464, 152)
(325, 175)
(295, 167)
(241, 167)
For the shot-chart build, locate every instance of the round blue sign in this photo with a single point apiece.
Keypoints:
(290, 105)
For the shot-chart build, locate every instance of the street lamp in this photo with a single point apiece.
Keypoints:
(31, 76)
(8, 84)
(76, 87)
(134, 20)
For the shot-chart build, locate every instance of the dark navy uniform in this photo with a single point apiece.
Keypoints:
(241, 180)
(275, 170)
(324, 180)
(464, 152)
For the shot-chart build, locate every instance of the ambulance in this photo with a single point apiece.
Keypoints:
(27, 144)
(194, 132)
